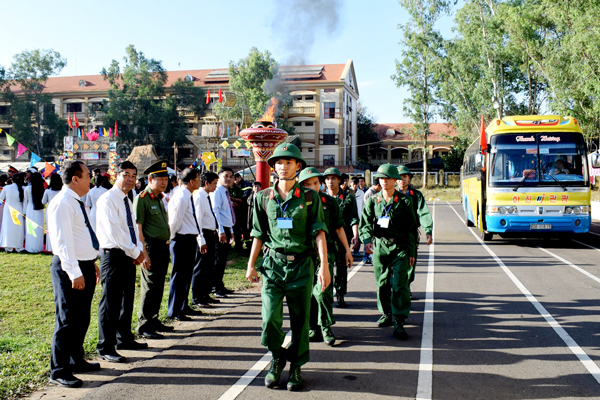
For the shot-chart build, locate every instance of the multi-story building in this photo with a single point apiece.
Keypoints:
(323, 114)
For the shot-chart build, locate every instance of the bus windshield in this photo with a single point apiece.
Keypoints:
(544, 159)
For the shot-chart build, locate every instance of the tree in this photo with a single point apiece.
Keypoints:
(29, 72)
(367, 138)
(454, 160)
(145, 109)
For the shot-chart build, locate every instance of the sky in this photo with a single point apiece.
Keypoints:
(205, 34)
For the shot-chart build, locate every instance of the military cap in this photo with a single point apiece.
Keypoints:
(286, 150)
(333, 171)
(404, 170)
(158, 169)
(387, 171)
(308, 173)
(12, 169)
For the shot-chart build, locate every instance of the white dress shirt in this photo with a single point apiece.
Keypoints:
(181, 217)
(221, 208)
(68, 233)
(204, 214)
(111, 223)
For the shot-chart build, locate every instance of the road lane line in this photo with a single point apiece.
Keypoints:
(583, 271)
(591, 247)
(587, 362)
(594, 233)
(425, 379)
(234, 391)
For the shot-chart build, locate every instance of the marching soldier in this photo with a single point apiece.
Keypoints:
(286, 219)
(387, 227)
(424, 219)
(347, 203)
(321, 307)
(153, 227)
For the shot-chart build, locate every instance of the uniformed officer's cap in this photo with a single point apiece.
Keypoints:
(404, 170)
(286, 151)
(333, 171)
(158, 169)
(12, 169)
(308, 173)
(387, 171)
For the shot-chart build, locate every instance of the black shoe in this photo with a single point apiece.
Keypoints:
(151, 335)
(133, 345)
(112, 357)
(210, 300)
(341, 303)
(294, 383)
(220, 295)
(190, 311)
(85, 366)
(412, 297)
(314, 335)
(164, 328)
(385, 320)
(272, 377)
(68, 381)
(181, 318)
(399, 331)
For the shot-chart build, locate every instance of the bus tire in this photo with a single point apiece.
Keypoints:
(486, 236)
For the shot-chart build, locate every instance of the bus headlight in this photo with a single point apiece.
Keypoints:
(568, 210)
(512, 210)
(492, 209)
(502, 210)
(585, 209)
(576, 210)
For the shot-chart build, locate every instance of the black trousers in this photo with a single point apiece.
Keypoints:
(184, 255)
(153, 284)
(116, 305)
(72, 317)
(202, 277)
(221, 260)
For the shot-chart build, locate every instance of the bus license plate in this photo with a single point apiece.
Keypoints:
(540, 226)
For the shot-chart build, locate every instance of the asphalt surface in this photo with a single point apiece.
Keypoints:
(514, 319)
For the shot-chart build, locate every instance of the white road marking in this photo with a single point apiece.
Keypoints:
(234, 391)
(569, 341)
(583, 271)
(594, 233)
(425, 379)
(591, 247)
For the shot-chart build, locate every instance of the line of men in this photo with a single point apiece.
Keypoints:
(303, 233)
(195, 235)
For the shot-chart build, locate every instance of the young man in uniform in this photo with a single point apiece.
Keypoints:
(321, 307)
(347, 203)
(387, 227)
(286, 219)
(153, 228)
(424, 219)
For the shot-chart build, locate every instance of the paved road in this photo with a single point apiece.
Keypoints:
(511, 319)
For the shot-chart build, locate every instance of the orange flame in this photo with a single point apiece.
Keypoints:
(270, 113)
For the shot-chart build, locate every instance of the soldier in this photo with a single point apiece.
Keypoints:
(421, 210)
(347, 203)
(321, 307)
(153, 227)
(387, 227)
(286, 219)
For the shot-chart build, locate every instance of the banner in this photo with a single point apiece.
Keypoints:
(240, 153)
(91, 156)
(68, 142)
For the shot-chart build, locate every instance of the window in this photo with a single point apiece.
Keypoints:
(329, 90)
(329, 137)
(311, 97)
(310, 150)
(96, 107)
(3, 110)
(297, 123)
(297, 98)
(74, 107)
(6, 152)
(328, 160)
(329, 111)
(310, 123)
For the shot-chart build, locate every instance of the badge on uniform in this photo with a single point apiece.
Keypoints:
(285, 223)
(383, 222)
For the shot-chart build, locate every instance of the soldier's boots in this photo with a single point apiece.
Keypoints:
(328, 337)
(314, 335)
(385, 320)
(399, 331)
(277, 366)
(295, 379)
(341, 303)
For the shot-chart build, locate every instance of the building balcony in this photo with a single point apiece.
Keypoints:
(301, 110)
(307, 135)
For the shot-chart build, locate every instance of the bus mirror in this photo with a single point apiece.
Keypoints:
(595, 160)
(479, 161)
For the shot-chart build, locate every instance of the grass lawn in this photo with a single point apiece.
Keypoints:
(27, 317)
(444, 194)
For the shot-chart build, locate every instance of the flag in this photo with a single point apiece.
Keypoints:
(210, 158)
(116, 130)
(220, 96)
(48, 170)
(104, 131)
(31, 227)
(237, 130)
(208, 97)
(22, 149)
(76, 120)
(70, 122)
(10, 139)
(227, 130)
(483, 138)
(109, 132)
(15, 215)
(34, 159)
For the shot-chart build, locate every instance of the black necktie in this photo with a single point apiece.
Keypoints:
(130, 221)
(212, 212)
(89, 226)
(194, 212)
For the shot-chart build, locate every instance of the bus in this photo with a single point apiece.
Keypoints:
(528, 176)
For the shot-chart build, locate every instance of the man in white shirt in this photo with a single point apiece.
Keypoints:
(202, 278)
(74, 275)
(121, 250)
(223, 209)
(184, 245)
(359, 195)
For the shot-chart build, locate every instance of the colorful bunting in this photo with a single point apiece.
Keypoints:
(34, 159)
(208, 97)
(22, 149)
(69, 121)
(225, 144)
(248, 145)
(10, 139)
(14, 215)
(76, 120)
(31, 226)
(236, 144)
(116, 130)
(48, 170)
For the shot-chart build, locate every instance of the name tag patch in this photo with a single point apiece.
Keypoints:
(383, 222)
(285, 223)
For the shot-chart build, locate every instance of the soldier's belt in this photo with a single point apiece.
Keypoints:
(289, 257)
(390, 240)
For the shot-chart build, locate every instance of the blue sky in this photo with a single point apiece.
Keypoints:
(208, 34)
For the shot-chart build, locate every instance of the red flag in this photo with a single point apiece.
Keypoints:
(483, 137)
(76, 120)
(48, 170)
(69, 121)
(220, 96)
(208, 97)
(116, 130)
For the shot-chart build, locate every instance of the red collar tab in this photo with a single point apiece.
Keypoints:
(396, 199)
(297, 192)
(272, 194)
(411, 192)
(152, 196)
(341, 197)
(378, 199)
(324, 200)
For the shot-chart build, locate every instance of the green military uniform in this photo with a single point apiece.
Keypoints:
(287, 228)
(150, 212)
(392, 247)
(349, 208)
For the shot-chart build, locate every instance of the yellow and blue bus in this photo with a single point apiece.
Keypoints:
(532, 180)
